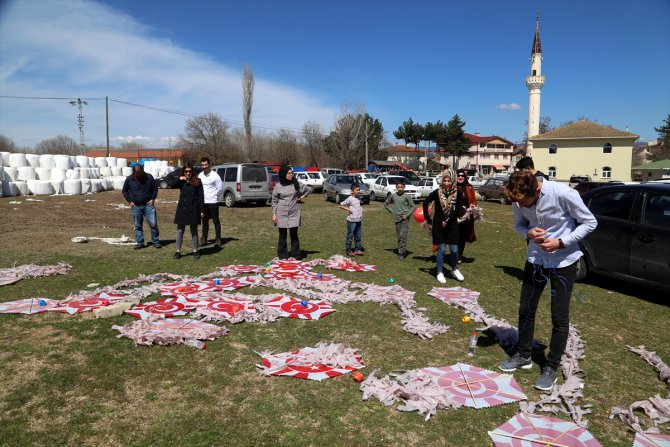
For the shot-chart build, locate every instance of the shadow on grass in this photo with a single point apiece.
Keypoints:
(615, 285)
(515, 272)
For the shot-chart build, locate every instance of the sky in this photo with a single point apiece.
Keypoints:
(607, 60)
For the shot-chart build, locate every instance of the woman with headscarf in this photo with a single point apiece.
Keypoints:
(444, 223)
(286, 211)
(466, 199)
(190, 208)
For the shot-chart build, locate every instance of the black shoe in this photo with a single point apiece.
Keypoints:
(217, 242)
(203, 241)
(401, 256)
(177, 255)
(196, 255)
(158, 245)
(138, 247)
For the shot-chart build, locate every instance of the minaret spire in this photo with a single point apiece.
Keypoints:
(534, 82)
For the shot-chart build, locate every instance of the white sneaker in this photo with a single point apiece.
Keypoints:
(441, 279)
(457, 275)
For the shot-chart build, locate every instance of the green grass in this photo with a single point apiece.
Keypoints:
(67, 380)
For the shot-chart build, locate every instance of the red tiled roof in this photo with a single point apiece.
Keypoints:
(133, 154)
(479, 139)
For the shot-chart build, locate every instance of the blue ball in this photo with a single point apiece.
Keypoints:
(319, 275)
(42, 302)
(217, 282)
(392, 280)
(303, 303)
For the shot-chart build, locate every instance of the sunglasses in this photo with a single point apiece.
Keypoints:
(188, 170)
(460, 176)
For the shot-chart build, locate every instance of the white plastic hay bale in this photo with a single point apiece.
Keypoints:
(111, 161)
(94, 173)
(106, 184)
(2, 186)
(91, 162)
(84, 173)
(47, 161)
(96, 185)
(126, 171)
(121, 162)
(73, 161)
(11, 173)
(82, 161)
(26, 173)
(116, 171)
(71, 174)
(17, 160)
(43, 173)
(2, 173)
(8, 189)
(85, 185)
(100, 162)
(72, 187)
(4, 158)
(57, 186)
(62, 162)
(19, 188)
(40, 187)
(118, 183)
(33, 160)
(106, 171)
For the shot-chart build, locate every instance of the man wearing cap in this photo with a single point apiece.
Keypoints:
(140, 191)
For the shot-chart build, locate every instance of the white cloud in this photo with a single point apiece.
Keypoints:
(79, 48)
(510, 106)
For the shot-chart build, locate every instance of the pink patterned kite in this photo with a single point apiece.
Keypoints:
(651, 440)
(233, 270)
(164, 331)
(475, 387)
(530, 430)
(96, 301)
(347, 265)
(171, 307)
(225, 308)
(192, 289)
(325, 361)
(454, 295)
(293, 308)
(28, 306)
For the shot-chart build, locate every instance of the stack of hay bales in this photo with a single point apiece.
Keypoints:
(23, 174)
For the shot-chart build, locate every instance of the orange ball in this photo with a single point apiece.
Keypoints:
(465, 319)
(358, 376)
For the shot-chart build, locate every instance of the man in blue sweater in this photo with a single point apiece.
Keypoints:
(140, 191)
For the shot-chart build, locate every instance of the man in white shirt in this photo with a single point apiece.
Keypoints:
(212, 187)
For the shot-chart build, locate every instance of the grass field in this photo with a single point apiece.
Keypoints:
(67, 380)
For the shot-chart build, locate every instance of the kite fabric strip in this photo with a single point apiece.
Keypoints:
(530, 430)
(28, 306)
(164, 331)
(14, 274)
(651, 440)
(324, 361)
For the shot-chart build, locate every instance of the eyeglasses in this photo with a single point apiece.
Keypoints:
(460, 176)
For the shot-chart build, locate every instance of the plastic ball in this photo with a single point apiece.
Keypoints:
(358, 376)
(105, 302)
(465, 319)
(319, 275)
(392, 280)
(267, 264)
(418, 215)
(267, 269)
(42, 302)
(217, 282)
(303, 303)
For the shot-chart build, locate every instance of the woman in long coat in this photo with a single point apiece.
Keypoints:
(286, 211)
(444, 223)
(190, 208)
(466, 193)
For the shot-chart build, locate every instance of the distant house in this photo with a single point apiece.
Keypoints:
(584, 148)
(656, 170)
(411, 157)
(172, 156)
(487, 155)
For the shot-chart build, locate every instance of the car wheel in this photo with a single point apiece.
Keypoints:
(260, 202)
(229, 200)
(582, 268)
(325, 196)
(163, 184)
(373, 197)
(503, 199)
(338, 199)
(483, 196)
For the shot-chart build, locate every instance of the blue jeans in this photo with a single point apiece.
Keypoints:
(354, 232)
(453, 256)
(139, 213)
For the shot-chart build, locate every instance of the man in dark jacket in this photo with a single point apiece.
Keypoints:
(140, 191)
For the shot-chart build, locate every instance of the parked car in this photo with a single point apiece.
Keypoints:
(476, 181)
(633, 234)
(310, 178)
(244, 182)
(273, 180)
(384, 186)
(171, 179)
(427, 185)
(574, 179)
(494, 188)
(584, 187)
(410, 176)
(330, 171)
(338, 188)
(367, 177)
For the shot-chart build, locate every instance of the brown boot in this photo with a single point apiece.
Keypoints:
(203, 241)
(217, 242)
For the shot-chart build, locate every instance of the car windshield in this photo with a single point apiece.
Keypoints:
(348, 179)
(314, 175)
(394, 180)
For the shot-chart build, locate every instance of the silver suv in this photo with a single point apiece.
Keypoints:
(243, 182)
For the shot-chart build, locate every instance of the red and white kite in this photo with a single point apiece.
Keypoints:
(169, 330)
(232, 270)
(475, 387)
(651, 440)
(171, 307)
(292, 307)
(530, 430)
(299, 364)
(75, 306)
(454, 295)
(349, 266)
(225, 308)
(27, 306)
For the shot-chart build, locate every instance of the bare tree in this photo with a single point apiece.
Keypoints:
(207, 136)
(131, 145)
(285, 145)
(62, 144)
(248, 102)
(349, 135)
(7, 144)
(313, 135)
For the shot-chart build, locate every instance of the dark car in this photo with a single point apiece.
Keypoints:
(338, 188)
(584, 187)
(494, 188)
(632, 239)
(170, 180)
(576, 179)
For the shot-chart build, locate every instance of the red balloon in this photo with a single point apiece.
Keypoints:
(418, 215)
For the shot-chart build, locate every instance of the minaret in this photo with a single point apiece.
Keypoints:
(534, 82)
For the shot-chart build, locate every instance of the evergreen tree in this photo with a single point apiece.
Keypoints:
(664, 133)
(456, 144)
(410, 131)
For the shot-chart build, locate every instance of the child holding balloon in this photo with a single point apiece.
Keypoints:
(444, 223)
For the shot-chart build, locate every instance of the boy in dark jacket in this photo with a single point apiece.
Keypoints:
(140, 191)
(402, 207)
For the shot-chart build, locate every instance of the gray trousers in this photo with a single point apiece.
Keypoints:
(401, 231)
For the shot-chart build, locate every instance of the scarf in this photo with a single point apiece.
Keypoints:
(448, 196)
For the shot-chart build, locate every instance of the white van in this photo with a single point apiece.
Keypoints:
(313, 179)
(330, 171)
(243, 182)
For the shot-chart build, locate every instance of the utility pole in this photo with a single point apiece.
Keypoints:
(366, 143)
(80, 121)
(169, 149)
(107, 121)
